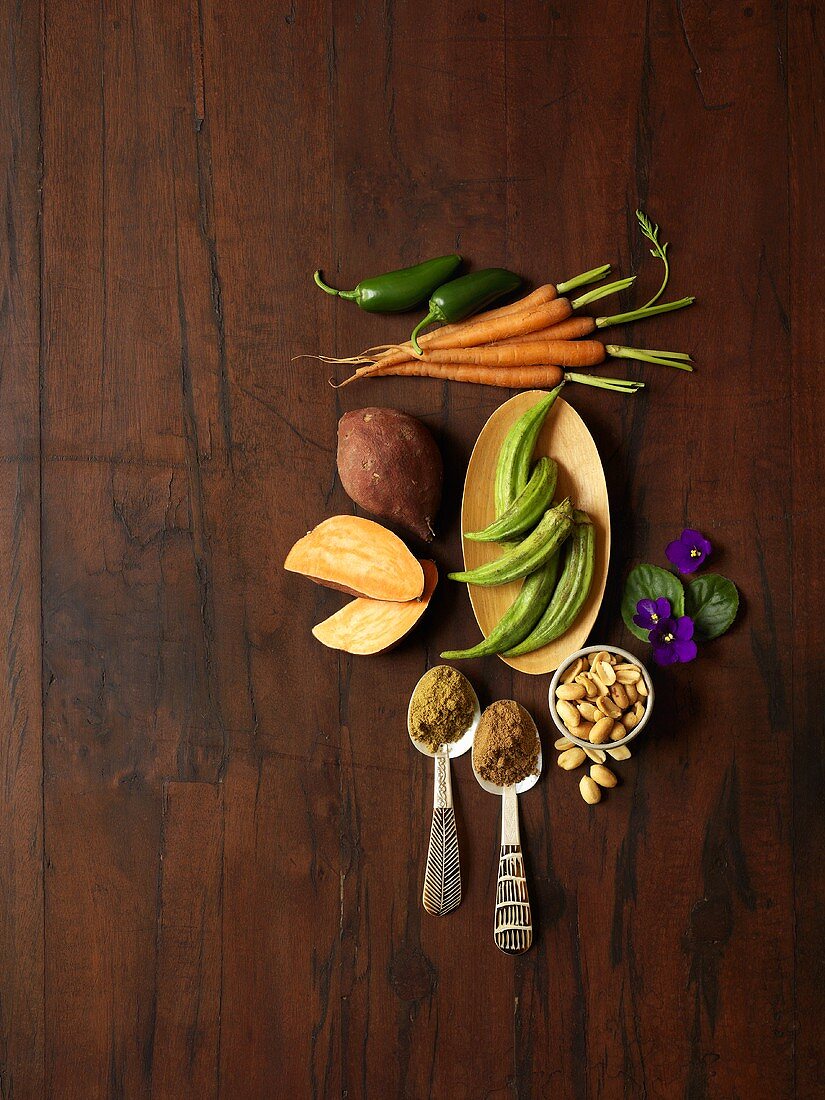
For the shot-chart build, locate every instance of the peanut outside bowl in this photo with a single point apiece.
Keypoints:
(560, 671)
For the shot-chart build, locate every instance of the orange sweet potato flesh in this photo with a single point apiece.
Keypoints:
(365, 626)
(358, 556)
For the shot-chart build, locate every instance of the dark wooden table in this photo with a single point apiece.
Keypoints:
(213, 829)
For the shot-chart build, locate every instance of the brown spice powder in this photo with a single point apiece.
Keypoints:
(442, 707)
(506, 748)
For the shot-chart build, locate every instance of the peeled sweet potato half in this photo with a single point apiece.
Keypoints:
(360, 557)
(374, 626)
(390, 465)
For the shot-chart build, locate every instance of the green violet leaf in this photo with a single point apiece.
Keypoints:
(649, 582)
(712, 602)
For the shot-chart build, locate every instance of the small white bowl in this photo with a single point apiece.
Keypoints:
(560, 671)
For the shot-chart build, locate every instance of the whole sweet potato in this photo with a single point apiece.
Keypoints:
(390, 465)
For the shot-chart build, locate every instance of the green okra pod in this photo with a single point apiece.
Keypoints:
(528, 555)
(571, 592)
(526, 510)
(515, 456)
(519, 618)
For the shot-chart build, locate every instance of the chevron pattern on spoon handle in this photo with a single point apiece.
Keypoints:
(513, 930)
(442, 878)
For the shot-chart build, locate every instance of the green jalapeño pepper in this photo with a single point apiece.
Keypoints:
(397, 290)
(462, 297)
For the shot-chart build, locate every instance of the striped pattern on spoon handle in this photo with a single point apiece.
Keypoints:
(513, 924)
(442, 877)
(513, 930)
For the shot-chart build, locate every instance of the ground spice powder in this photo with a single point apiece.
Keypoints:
(442, 707)
(506, 747)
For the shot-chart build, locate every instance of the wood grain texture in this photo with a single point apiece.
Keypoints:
(564, 438)
(214, 829)
(21, 675)
(806, 102)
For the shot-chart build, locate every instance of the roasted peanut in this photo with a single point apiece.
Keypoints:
(608, 707)
(607, 674)
(572, 671)
(571, 759)
(621, 753)
(619, 731)
(628, 675)
(563, 743)
(603, 776)
(596, 755)
(601, 731)
(587, 683)
(583, 730)
(601, 686)
(589, 790)
(619, 696)
(568, 713)
(631, 692)
(641, 687)
(589, 712)
(570, 691)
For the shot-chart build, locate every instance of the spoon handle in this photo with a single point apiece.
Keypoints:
(513, 931)
(442, 878)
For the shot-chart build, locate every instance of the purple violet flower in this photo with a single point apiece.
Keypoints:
(688, 551)
(672, 641)
(650, 612)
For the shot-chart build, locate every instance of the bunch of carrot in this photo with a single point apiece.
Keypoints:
(530, 342)
(525, 344)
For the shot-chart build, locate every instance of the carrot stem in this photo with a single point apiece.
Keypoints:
(603, 291)
(645, 355)
(659, 251)
(641, 314)
(586, 277)
(617, 385)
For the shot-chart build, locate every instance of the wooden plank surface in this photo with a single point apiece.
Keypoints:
(214, 829)
(21, 763)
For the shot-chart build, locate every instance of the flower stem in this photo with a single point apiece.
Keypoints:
(641, 314)
(645, 355)
(586, 277)
(603, 291)
(617, 385)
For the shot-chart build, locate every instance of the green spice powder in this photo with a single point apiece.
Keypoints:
(442, 707)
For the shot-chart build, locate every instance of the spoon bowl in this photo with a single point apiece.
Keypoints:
(513, 920)
(442, 877)
(523, 785)
(453, 749)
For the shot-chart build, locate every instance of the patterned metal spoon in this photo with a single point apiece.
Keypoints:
(442, 876)
(513, 922)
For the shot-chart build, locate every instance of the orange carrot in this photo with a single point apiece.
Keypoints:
(516, 378)
(571, 329)
(511, 377)
(539, 297)
(565, 353)
(481, 332)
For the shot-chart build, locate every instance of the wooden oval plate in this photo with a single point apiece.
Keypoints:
(565, 438)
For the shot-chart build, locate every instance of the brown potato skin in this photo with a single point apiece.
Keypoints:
(390, 465)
